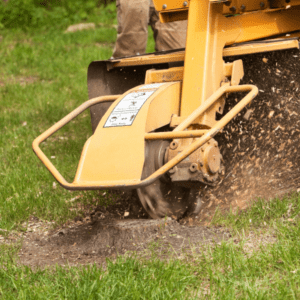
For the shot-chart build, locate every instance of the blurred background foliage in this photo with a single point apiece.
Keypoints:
(33, 14)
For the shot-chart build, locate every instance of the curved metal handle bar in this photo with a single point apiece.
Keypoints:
(36, 143)
(176, 133)
(253, 91)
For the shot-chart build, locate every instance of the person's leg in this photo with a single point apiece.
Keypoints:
(167, 36)
(133, 17)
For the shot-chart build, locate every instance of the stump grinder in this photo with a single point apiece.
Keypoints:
(154, 117)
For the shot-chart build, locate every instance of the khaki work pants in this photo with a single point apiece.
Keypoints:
(134, 16)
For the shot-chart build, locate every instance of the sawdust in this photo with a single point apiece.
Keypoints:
(260, 149)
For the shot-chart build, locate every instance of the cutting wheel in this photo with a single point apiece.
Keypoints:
(164, 198)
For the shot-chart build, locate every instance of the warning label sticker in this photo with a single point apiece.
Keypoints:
(127, 109)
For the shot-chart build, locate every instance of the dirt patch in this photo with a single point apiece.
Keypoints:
(260, 147)
(102, 232)
(260, 150)
(22, 80)
(93, 242)
(80, 27)
(254, 242)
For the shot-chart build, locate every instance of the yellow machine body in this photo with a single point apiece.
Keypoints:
(106, 162)
(182, 90)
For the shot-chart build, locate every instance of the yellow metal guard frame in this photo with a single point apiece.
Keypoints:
(178, 132)
(209, 31)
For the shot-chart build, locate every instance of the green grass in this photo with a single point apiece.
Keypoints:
(56, 64)
(261, 261)
(262, 214)
(123, 279)
(43, 78)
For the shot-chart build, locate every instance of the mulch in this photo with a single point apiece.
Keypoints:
(260, 147)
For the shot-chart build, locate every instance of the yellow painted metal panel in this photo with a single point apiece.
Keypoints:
(241, 6)
(261, 47)
(167, 75)
(249, 48)
(166, 5)
(165, 105)
(207, 37)
(259, 24)
(117, 153)
(174, 15)
(203, 65)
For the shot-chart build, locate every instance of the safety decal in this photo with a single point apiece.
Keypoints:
(127, 109)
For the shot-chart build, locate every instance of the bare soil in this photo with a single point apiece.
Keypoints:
(93, 242)
(106, 232)
(260, 151)
(22, 80)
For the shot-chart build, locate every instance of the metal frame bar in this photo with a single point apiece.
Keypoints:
(177, 132)
(239, 49)
(209, 31)
(64, 121)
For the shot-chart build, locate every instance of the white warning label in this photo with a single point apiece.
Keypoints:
(127, 109)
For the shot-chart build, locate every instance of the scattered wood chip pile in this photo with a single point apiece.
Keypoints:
(260, 146)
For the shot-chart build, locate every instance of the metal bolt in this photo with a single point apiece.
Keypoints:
(232, 9)
(185, 3)
(174, 145)
(262, 4)
(193, 167)
(243, 7)
(164, 6)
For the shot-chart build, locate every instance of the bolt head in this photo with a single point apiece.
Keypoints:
(185, 3)
(174, 145)
(193, 167)
(164, 6)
